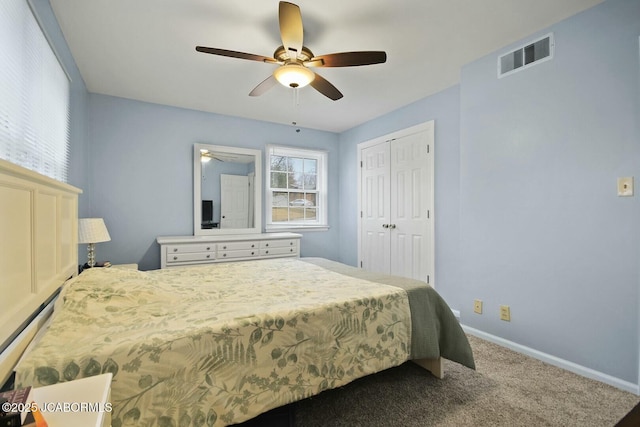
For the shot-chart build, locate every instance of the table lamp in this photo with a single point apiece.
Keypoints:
(92, 231)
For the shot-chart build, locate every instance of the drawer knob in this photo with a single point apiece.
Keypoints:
(208, 248)
(175, 258)
(208, 256)
(291, 250)
(175, 249)
(267, 245)
(252, 253)
(224, 254)
(291, 243)
(224, 247)
(253, 246)
(266, 252)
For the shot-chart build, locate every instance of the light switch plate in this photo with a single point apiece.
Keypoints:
(625, 186)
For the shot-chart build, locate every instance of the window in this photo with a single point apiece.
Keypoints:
(296, 188)
(34, 95)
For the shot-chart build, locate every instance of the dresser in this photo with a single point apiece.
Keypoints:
(192, 250)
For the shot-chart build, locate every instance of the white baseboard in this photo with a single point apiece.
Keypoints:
(556, 361)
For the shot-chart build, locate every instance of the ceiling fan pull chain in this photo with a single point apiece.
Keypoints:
(296, 97)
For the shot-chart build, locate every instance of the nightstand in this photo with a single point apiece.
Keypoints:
(80, 403)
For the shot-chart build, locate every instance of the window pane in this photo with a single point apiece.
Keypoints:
(280, 199)
(311, 199)
(280, 214)
(309, 182)
(296, 165)
(278, 180)
(296, 199)
(296, 213)
(278, 163)
(310, 166)
(310, 214)
(296, 180)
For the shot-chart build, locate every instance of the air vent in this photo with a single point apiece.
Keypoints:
(524, 57)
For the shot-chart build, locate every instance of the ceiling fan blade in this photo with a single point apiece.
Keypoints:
(235, 54)
(320, 84)
(348, 59)
(291, 30)
(264, 86)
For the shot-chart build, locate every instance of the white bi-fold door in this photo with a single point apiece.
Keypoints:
(396, 204)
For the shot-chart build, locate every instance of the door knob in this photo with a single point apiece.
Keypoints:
(385, 225)
(392, 226)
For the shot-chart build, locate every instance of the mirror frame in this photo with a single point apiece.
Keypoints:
(197, 191)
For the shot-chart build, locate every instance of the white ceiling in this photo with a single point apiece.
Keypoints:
(145, 50)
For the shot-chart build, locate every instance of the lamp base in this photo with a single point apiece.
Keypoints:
(91, 253)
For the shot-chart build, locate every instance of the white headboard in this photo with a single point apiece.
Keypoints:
(38, 248)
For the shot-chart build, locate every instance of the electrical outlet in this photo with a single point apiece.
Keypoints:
(477, 306)
(505, 313)
(625, 186)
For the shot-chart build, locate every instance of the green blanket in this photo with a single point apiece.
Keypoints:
(435, 330)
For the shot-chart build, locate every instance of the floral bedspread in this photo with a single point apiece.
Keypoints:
(219, 344)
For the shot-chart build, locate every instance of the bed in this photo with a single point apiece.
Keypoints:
(218, 344)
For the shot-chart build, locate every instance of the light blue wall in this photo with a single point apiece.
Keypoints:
(542, 228)
(141, 172)
(526, 208)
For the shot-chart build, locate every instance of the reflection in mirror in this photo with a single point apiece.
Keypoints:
(227, 190)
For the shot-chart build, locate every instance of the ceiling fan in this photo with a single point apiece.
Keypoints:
(294, 58)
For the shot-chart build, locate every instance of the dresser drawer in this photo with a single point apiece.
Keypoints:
(194, 247)
(283, 250)
(284, 243)
(187, 257)
(242, 253)
(177, 251)
(235, 246)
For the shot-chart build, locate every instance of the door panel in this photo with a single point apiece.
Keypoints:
(410, 196)
(234, 201)
(375, 208)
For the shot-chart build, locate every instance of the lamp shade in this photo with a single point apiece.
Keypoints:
(92, 230)
(294, 75)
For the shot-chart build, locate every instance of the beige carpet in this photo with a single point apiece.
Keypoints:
(508, 389)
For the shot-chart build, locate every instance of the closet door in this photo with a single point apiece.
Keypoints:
(410, 207)
(396, 204)
(375, 213)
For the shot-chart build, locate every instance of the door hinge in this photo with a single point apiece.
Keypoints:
(428, 148)
(360, 214)
(428, 214)
(427, 279)
(360, 264)
(361, 163)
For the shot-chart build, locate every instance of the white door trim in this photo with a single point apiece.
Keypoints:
(422, 127)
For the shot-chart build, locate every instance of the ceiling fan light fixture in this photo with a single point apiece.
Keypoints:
(294, 75)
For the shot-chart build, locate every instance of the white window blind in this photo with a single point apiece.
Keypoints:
(34, 95)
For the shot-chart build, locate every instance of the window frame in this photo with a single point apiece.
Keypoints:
(321, 156)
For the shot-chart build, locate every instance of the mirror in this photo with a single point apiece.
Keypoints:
(227, 190)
